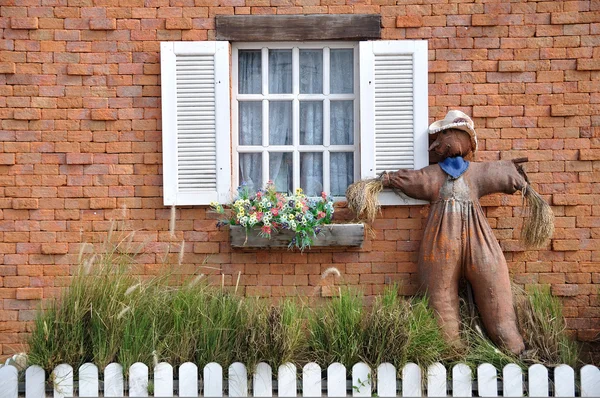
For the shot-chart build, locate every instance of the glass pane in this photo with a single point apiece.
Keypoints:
(342, 71)
(311, 71)
(280, 71)
(341, 172)
(280, 123)
(250, 123)
(281, 171)
(341, 121)
(251, 170)
(249, 65)
(311, 123)
(311, 173)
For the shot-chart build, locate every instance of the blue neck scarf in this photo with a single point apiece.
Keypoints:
(455, 166)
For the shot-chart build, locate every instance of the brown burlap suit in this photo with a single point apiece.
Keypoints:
(458, 241)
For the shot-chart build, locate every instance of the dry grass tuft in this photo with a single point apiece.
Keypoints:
(362, 199)
(538, 225)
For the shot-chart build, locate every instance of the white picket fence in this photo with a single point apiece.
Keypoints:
(510, 383)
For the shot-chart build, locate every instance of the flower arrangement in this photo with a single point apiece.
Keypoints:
(271, 211)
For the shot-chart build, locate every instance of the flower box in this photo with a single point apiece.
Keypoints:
(331, 235)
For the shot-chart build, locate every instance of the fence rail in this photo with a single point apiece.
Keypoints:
(309, 381)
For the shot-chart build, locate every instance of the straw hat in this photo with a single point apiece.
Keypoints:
(456, 119)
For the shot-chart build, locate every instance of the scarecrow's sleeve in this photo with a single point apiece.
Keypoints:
(497, 177)
(421, 184)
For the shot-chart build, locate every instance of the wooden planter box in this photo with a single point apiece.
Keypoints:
(331, 235)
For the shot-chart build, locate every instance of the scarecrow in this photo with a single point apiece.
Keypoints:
(458, 241)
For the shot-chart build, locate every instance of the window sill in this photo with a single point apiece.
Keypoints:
(332, 235)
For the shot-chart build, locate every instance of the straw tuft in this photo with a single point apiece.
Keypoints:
(538, 225)
(362, 199)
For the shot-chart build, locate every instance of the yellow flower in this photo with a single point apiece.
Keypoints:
(298, 205)
(291, 216)
(299, 191)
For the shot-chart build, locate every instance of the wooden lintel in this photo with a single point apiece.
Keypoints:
(298, 27)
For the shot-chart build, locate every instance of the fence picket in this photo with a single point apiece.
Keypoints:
(62, 379)
(436, 380)
(564, 381)
(386, 380)
(287, 380)
(336, 380)
(114, 382)
(238, 380)
(9, 381)
(590, 381)
(311, 380)
(411, 380)
(213, 380)
(487, 380)
(262, 380)
(35, 382)
(461, 381)
(163, 380)
(188, 380)
(138, 380)
(512, 381)
(538, 381)
(361, 380)
(88, 380)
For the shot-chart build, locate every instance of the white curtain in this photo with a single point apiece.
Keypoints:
(311, 120)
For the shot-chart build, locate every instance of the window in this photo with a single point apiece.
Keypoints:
(295, 116)
(305, 114)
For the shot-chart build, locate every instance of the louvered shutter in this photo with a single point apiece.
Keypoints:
(195, 122)
(393, 109)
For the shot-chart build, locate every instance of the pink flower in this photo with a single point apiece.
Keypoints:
(275, 211)
(266, 229)
(323, 195)
(321, 215)
(259, 215)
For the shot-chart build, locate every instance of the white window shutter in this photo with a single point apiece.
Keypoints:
(195, 122)
(393, 109)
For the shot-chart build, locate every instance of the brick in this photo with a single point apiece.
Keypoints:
(511, 66)
(24, 23)
(79, 158)
(7, 159)
(80, 69)
(484, 20)
(588, 64)
(55, 248)
(7, 67)
(565, 245)
(20, 203)
(178, 23)
(104, 114)
(27, 114)
(103, 24)
(409, 21)
(29, 293)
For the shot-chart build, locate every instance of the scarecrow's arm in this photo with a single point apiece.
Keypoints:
(497, 177)
(421, 184)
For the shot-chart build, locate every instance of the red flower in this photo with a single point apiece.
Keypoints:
(266, 229)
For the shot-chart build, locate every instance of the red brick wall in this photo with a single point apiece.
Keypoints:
(81, 143)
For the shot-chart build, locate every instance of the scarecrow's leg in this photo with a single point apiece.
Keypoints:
(439, 273)
(493, 295)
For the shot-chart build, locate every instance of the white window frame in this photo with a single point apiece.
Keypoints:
(296, 97)
(372, 157)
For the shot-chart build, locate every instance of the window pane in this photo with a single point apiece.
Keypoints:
(311, 173)
(280, 123)
(251, 170)
(250, 80)
(311, 123)
(280, 71)
(341, 172)
(342, 122)
(311, 71)
(250, 123)
(342, 71)
(281, 171)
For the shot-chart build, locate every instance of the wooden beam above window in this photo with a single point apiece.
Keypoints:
(298, 27)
